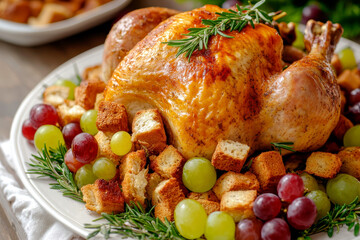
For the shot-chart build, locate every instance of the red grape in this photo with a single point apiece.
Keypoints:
(354, 113)
(229, 3)
(354, 96)
(84, 147)
(267, 206)
(275, 229)
(313, 12)
(70, 131)
(28, 130)
(248, 229)
(43, 114)
(71, 162)
(301, 213)
(290, 186)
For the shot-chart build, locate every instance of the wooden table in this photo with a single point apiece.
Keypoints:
(21, 68)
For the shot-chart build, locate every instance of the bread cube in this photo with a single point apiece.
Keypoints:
(336, 64)
(132, 162)
(55, 95)
(134, 187)
(69, 113)
(350, 158)
(209, 206)
(153, 181)
(230, 155)
(92, 73)
(99, 98)
(112, 117)
(342, 126)
(50, 13)
(268, 168)
(349, 79)
(323, 164)
(232, 181)
(148, 131)
(85, 94)
(169, 163)
(209, 195)
(239, 204)
(103, 140)
(103, 196)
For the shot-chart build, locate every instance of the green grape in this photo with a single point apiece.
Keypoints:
(199, 175)
(310, 183)
(190, 218)
(299, 41)
(49, 135)
(220, 225)
(69, 84)
(88, 122)
(85, 176)
(352, 137)
(104, 168)
(321, 201)
(343, 189)
(347, 58)
(121, 143)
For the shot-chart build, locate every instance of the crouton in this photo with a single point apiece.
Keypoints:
(295, 162)
(349, 79)
(85, 94)
(350, 158)
(69, 113)
(112, 117)
(55, 95)
(132, 162)
(342, 126)
(268, 168)
(103, 140)
(148, 131)
(230, 155)
(209, 206)
(92, 73)
(165, 198)
(50, 13)
(103, 196)
(169, 163)
(99, 98)
(336, 64)
(209, 195)
(239, 204)
(153, 181)
(232, 181)
(134, 187)
(323, 164)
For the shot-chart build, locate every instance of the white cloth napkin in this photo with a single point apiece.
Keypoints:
(36, 222)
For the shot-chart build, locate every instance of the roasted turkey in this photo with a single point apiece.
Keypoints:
(236, 89)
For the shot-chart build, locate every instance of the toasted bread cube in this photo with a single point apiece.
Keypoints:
(268, 168)
(15, 11)
(239, 204)
(153, 181)
(342, 126)
(134, 187)
(209, 195)
(92, 73)
(350, 158)
(232, 181)
(349, 79)
(103, 140)
(55, 95)
(132, 162)
(112, 117)
(103, 196)
(323, 164)
(85, 94)
(99, 98)
(169, 163)
(69, 113)
(209, 206)
(148, 131)
(230, 155)
(336, 64)
(50, 13)
(165, 198)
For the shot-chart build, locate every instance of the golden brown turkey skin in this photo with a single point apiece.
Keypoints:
(229, 91)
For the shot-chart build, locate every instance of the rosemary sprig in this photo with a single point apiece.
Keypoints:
(135, 222)
(51, 164)
(232, 20)
(339, 215)
(283, 145)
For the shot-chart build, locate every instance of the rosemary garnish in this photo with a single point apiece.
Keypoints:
(135, 222)
(283, 145)
(232, 20)
(51, 164)
(339, 215)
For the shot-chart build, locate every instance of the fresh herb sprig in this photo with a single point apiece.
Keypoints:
(50, 163)
(283, 145)
(232, 20)
(135, 222)
(347, 214)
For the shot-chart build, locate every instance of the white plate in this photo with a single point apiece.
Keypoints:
(71, 213)
(27, 35)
